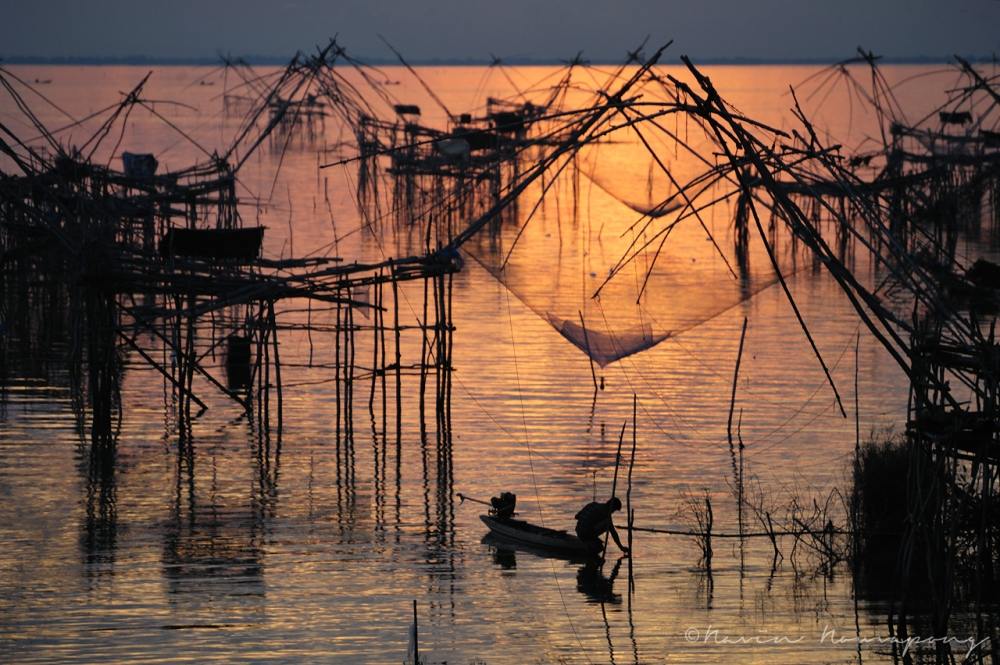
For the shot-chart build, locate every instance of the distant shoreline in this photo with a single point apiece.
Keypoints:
(260, 60)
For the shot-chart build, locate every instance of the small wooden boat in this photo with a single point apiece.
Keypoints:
(505, 551)
(539, 537)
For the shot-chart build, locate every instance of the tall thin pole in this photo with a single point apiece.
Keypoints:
(629, 513)
(416, 635)
(399, 376)
(729, 431)
(614, 481)
(590, 357)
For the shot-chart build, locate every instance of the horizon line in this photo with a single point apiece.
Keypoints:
(270, 60)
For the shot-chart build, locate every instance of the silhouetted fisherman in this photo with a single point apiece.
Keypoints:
(594, 520)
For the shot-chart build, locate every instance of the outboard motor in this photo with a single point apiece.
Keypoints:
(502, 507)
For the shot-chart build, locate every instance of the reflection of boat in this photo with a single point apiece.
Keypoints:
(590, 579)
(547, 541)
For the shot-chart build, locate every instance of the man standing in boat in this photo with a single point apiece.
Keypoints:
(594, 520)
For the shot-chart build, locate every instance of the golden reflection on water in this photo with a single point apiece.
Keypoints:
(224, 555)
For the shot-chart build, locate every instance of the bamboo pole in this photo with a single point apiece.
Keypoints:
(738, 473)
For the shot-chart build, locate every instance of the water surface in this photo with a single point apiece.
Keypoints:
(238, 554)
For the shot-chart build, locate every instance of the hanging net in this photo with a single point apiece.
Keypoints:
(614, 259)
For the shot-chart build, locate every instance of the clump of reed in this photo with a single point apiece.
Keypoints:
(924, 524)
(879, 510)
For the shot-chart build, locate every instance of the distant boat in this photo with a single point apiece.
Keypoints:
(539, 537)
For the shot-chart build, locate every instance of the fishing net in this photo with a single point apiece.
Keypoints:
(613, 268)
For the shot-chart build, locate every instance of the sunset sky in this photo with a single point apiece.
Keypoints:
(528, 29)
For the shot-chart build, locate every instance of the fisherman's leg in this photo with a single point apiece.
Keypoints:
(594, 544)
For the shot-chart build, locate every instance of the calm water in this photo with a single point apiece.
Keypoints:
(233, 556)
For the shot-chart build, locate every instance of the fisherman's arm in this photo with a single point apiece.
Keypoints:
(618, 542)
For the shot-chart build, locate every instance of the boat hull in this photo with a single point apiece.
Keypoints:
(537, 536)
